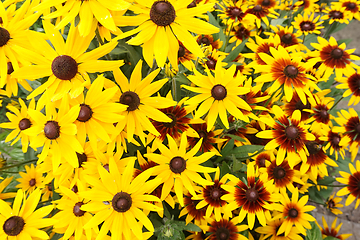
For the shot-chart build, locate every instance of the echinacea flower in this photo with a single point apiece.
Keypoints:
(161, 23)
(22, 221)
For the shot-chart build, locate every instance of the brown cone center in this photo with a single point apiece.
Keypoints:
(222, 233)
(77, 211)
(52, 130)
(10, 68)
(293, 213)
(335, 140)
(81, 158)
(266, 3)
(218, 92)
(14, 225)
(211, 63)
(131, 99)
(181, 51)
(291, 71)
(286, 38)
(351, 6)
(252, 194)
(172, 123)
(262, 162)
(24, 124)
(177, 165)
(121, 202)
(162, 13)
(337, 53)
(292, 132)
(331, 204)
(215, 193)
(4, 36)
(235, 12)
(32, 182)
(257, 8)
(85, 113)
(279, 172)
(307, 26)
(205, 41)
(336, 14)
(64, 67)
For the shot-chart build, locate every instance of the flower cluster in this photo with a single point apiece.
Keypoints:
(174, 119)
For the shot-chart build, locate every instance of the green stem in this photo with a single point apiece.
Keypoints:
(337, 102)
(173, 81)
(304, 38)
(332, 185)
(18, 164)
(12, 97)
(153, 67)
(227, 37)
(101, 42)
(330, 29)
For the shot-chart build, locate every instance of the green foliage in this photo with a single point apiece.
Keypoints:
(314, 233)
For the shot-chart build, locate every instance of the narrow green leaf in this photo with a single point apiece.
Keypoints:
(234, 53)
(192, 228)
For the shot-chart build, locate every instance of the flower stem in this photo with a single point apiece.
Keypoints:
(101, 42)
(18, 164)
(337, 102)
(332, 185)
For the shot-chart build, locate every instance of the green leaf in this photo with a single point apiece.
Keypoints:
(192, 228)
(277, 21)
(235, 53)
(314, 233)
(220, 35)
(224, 169)
(244, 151)
(319, 196)
(326, 180)
(237, 165)
(330, 238)
(235, 137)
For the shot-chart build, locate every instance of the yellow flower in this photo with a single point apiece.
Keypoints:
(161, 23)
(30, 180)
(352, 180)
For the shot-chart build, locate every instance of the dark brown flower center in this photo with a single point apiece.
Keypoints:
(181, 51)
(337, 53)
(262, 162)
(81, 158)
(162, 13)
(192, 4)
(177, 165)
(77, 211)
(131, 99)
(297, 185)
(222, 233)
(64, 67)
(215, 193)
(265, 3)
(257, 8)
(291, 71)
(172, 123)
(286, 38)
(301, 106)
(24, 124)
(14, 225)
(211, 63)
(357, 128)
(324, 114)
(336, 14)
(235, 12)
(106, 166)
(307, 26)
(218, 92)
(75, 189)
(49, 187)
(121, 202)
(10, 68)
(331, 204)
(203, 135)
(4, 36)
(52, 130)
(32, 182)
(205, 41)
(85, 113)
(351, 6)
(279, 172)
(292, 132)
(293, 213)
(252, 194)
(335, 140)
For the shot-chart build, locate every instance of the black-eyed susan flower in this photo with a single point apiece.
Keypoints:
(19, 121)
(333, 140)
(226, 229)
(333, 231)
(13, 37)
(97, 113)
(288, 38)
(121, 202)
(193, 214)
(210, 197)
(56, 130)
(208, 41)
(71, 219)
(331, 55)
(3, 184)
(351, 6)
(254, 197)
(270, 231)
(22, 221)
(179, 169)
(218, 95)
(11, 87)
(261, 9)
(67, 64)
(350, 128)
(209, 138)
(141, 106)
(307, 24)
(308, 6)
(239, 33)
(86, 10)
(289, 134)
(296, 104)
(351, 83)
(260, 45)
(161, 23)
(212, 58)
(352, 180)
(333, 204)
(294, 212)
(31, 180)
(320, 111)
(337, 13)
(287, 71)
(233, 13)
